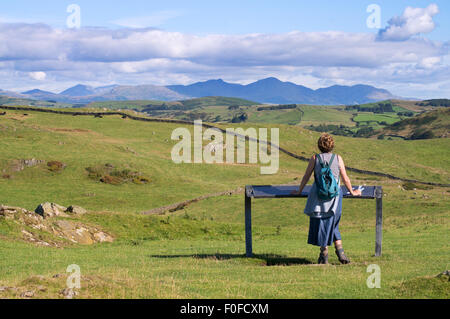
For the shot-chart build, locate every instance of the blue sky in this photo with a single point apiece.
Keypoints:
(296, 41)
(243, 16)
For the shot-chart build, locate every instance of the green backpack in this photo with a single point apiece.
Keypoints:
(327, 186)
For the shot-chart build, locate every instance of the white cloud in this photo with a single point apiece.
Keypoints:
(38, 76)
(148, 56)
(41, 43)
(412, 22)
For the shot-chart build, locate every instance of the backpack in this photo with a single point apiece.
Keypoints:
(327, 186)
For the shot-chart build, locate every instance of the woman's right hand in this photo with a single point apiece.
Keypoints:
(356, 192)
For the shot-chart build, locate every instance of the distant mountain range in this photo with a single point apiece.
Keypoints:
(270, 90)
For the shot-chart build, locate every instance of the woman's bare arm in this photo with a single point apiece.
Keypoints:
(346, 179)
(307, 176)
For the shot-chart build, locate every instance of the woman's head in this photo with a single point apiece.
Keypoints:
(325, 143)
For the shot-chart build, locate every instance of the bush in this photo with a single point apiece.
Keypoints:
(422, 135)
(277, 107)
(55, 166)
(109, 175)
(435, 102)
(113, 180)
(240, 118)
(364, 132)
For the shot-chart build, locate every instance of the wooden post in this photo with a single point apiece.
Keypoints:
(379, 220)
(248, 225)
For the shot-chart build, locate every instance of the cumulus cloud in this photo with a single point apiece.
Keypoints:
(412, 22)
(151, 56)
(38, 76)
(40, 43)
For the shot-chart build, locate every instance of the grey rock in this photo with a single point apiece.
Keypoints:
(48, 210)
(68, 293)
(27, 294)
(77, 210)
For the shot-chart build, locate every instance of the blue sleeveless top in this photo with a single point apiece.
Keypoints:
(316, 207)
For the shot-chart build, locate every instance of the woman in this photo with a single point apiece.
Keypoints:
(326, 214)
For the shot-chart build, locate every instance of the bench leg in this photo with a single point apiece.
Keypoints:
(248, 226)
(379, 225)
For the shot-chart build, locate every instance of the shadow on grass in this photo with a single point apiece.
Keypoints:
(268, 259)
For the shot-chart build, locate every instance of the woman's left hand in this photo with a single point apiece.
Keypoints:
(296, 192)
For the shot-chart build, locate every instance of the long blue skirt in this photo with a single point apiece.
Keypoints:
(324, 231)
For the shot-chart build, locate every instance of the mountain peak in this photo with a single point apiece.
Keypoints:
(79, 90)
(267, 90)
(36, 91)
(273, 90)
(270, 79)
(218, 81)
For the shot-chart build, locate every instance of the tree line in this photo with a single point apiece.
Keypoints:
(377, 108)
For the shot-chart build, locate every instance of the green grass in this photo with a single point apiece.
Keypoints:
(217, 100)
(12, 101)
(198, 252)
(209, 101)
(288, 116)
(124, 105)
(389, 118)
(315, 114)
(435, 122)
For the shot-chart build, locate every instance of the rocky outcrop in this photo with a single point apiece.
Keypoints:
(44, 221)
(77, 210)
(79, 233)
(51, 210)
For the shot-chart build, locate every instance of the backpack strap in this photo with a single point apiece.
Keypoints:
(331, 160)
(320, 160)
(329, 163)
(339, 169)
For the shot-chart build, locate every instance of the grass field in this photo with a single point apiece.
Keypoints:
(315, 114)
(198, 251)
(388, 118)
(363, 120)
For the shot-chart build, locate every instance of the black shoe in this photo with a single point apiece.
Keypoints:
(342, 257)
(323, 259)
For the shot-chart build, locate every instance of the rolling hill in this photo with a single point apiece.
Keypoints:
(190, 104)
(432, 124)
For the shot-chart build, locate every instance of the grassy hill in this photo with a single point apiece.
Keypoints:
(141, 105)
(364, 120)
(197, 252)
(6, 100)
(432, 124)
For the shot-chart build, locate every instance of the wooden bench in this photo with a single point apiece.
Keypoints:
(284, 191)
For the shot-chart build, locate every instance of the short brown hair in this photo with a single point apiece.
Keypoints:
(325, 143)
